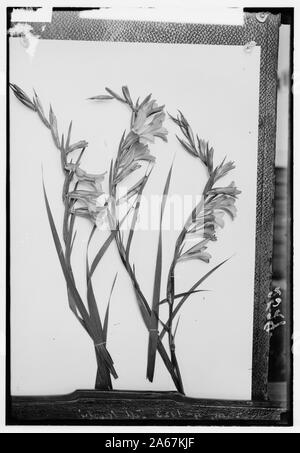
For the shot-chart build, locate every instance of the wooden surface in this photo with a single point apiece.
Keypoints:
(125, 407)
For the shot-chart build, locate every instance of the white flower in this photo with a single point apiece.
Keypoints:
(93, 205)
(94, 179)
(149, 127)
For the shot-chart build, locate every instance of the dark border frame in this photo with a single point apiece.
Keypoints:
(264, 29)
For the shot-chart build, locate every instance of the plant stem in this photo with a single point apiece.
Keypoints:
(144, 307)
(103, 378)
(170, 298)
(176, 367)
(146, 313)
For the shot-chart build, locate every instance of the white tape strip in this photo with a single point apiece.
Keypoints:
(43, 14)
(221, 16)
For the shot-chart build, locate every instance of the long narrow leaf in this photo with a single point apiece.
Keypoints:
(191, 291)
(100, 97)
(105, 324)
(72, 243)
(177, 296)
(146, 313)
(92, 304)
(135, 214)
(70, 284)
(101, 252)
(201, 280)
(176, 327)
(69, 136)
(100, 342)
(74, 310)
(153, 331)
(107, 243)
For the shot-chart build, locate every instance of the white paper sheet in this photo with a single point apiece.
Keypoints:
(217, 88)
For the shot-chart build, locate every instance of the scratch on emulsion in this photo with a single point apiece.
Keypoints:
(27, 39)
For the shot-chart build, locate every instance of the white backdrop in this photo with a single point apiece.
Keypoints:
(217, 89)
